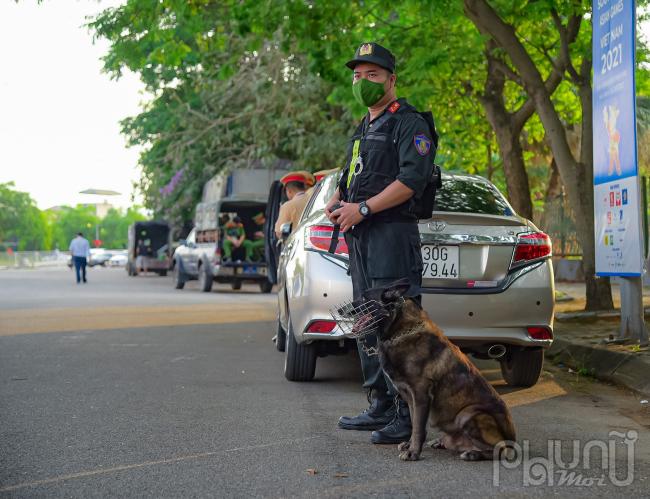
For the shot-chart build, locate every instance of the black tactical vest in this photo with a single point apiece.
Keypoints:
(378, 151)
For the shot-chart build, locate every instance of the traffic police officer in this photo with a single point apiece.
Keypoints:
(389, 162)
(295, 185)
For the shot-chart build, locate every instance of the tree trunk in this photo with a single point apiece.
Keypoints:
(576, 176)
(507, 134)
(599, 289)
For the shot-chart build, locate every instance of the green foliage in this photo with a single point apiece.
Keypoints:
(236, 82)
(67, 221)
(113, 228)
(22, 225)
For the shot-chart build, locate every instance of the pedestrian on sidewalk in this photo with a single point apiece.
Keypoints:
(80, 251)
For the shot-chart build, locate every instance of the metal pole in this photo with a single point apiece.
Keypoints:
(632, 313)
(632, 317)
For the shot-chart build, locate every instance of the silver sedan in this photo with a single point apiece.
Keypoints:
(487, 281)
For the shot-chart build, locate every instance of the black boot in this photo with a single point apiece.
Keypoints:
(379, 414)
(398, 430)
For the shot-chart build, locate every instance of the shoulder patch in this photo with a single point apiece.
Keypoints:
(422, 144)
(394, 107)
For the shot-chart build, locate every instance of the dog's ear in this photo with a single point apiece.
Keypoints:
(395, 290)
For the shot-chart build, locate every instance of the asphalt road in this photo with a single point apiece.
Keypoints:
(94, 407)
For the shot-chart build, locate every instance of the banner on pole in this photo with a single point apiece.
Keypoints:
(618, 228)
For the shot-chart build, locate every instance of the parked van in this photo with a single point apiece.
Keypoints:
(148, 248)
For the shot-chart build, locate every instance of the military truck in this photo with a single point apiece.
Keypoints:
(242, 193)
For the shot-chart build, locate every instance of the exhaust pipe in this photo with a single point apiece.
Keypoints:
(496, 351)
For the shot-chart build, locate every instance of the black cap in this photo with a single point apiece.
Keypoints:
(375, 54)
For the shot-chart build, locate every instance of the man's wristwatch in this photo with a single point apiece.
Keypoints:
(364, 209)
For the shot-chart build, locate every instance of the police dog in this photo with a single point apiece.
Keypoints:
(437, 381)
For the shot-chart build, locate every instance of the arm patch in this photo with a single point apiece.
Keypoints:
(422, 144)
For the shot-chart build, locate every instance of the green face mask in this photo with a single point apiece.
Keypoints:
(367, 92)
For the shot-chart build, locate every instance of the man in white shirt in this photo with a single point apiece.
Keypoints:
(80, 251)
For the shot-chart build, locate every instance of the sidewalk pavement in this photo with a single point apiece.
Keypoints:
(579, 339)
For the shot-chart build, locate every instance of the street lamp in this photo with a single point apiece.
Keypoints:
(99, 192)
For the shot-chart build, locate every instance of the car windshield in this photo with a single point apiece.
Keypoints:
(463, 194)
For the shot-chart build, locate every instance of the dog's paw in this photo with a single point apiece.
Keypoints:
(404, 446)
(437, 444)
(471, 455)
(409, 455)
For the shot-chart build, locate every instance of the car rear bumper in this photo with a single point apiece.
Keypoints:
(501, 317)
(229, 271)
(154, 263)
(471, 320)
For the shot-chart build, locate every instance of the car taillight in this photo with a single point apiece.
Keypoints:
(532, 247)
(540, 333)
(321, 327)
(320, 238)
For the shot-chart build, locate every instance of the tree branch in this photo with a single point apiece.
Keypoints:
(568, 35)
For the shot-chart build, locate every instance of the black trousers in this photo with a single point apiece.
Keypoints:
(380, 253)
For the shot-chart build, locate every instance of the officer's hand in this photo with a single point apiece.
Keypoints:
(348, 215)
(328, 210)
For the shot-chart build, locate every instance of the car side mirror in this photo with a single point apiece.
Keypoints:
(285, 230)
(182, 242)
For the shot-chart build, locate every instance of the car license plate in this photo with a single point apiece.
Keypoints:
(249, 269)
(439, 262)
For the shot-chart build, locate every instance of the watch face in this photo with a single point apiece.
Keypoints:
(364, 210)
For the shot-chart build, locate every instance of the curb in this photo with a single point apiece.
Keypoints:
(592, 316)
(620, 368)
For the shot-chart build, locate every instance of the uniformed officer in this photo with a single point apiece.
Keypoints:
(295, 185)
(257, 244)
(389, 161)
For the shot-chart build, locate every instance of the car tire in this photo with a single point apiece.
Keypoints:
(235, 285)
(179, 277)
(522, 367)
(266, 286)
(299, 359)
(280, 338)
(205, 280)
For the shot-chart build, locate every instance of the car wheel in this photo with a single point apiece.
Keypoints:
(235, 285)
(266, 286)
(299, 359)
(179, 277)
(205, 280)
(280, 338)
(522, 367)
